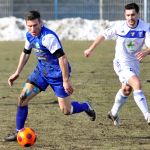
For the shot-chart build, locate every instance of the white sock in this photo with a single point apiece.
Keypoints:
(71, 110)
(141, 102)
(120, 99)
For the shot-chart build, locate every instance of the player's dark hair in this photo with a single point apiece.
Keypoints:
(32, 15)
(132, 6)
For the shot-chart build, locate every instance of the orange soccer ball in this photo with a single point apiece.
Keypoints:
(26, 137)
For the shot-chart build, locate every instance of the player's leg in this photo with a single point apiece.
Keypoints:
(34, 85)
(139, 96)
(69, 107)
(28, 92)
(120, 99)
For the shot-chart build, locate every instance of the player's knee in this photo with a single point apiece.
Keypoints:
(127, 91)
(137, 85)
(22, 100)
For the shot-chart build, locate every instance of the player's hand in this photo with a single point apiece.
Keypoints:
(68, 87)
(12, 78)
(87, 52)
(140, 55)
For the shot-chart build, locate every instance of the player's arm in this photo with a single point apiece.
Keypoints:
(63, 63)
(22, 61)
(98, 40)
(108, 33)
(142, 54)
(52, 43)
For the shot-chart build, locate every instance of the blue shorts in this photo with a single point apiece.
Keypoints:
(42, 81)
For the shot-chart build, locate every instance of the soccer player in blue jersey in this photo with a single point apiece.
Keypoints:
(131, 34)
(52, 69)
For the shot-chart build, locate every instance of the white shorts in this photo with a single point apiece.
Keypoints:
(126, 70)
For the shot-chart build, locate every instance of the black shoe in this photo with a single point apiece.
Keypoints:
(11, 137)
(148, 120)
(115, 119)
(90, 112)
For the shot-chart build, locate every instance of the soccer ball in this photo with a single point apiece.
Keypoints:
(26, 137)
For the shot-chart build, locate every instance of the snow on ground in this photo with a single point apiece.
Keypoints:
(12, 29)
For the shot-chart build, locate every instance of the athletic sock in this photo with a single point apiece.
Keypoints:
(141, 102)
(120, 99)
(21, 116)
(77, 107)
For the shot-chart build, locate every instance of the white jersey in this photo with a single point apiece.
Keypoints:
(128, 40)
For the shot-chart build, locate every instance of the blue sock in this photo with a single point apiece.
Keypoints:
(21, 116)
(79, 107)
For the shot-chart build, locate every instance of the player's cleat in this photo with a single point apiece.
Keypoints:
(115, 119)
(90, 112)
(148, 120)
(11, 137)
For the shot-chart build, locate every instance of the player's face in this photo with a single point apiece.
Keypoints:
(132, 17)
(34, 26)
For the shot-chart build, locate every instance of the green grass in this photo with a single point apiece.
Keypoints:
(93, 80)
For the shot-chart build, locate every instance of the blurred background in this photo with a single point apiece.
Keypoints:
(70, 19)
(57, 9)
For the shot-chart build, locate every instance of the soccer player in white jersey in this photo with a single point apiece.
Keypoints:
(52, 69)
(130, 35)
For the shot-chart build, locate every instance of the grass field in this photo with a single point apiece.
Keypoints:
(93, 80)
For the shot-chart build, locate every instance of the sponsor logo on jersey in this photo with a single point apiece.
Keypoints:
(37, 45)
(140, 33)
(132, 34)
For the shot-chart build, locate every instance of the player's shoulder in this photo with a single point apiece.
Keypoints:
(46, 32)
(144, 25)
(121, 22)
(29, 37)
(120, 25)
(47, 35)
(142, 22)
